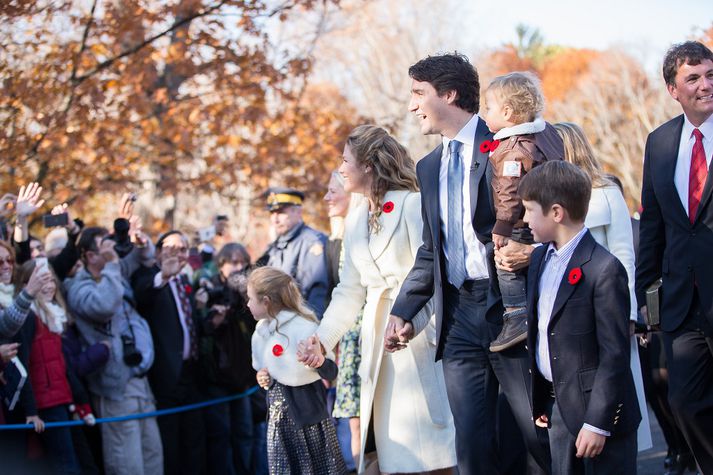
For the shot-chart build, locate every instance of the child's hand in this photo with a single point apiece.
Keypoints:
(83, 412)
(542, 421)
(37, 422)
(310, 352)
(500, 241)
(589, 444)
(264, 379)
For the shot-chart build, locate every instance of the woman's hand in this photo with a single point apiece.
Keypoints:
(263, 379)
(40, 277)
(37, 422)
(28, 200)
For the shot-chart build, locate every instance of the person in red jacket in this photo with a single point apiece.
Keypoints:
(48, 391)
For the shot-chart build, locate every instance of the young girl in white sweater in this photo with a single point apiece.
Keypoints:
(300, 435)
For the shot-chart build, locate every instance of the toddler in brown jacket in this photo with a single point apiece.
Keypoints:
(523, 140)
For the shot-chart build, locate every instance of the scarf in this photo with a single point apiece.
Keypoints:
(7, 293)
(54, 316)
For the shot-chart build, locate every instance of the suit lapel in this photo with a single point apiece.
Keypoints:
(705, 196)
(665, 162)
(582, 255)
(389, 222)
(430, 187)
(479, 163)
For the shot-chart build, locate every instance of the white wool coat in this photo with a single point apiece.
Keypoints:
(402, 393)
(287, 329)
(610, 224)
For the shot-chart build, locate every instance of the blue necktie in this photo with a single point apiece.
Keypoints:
(456, 249)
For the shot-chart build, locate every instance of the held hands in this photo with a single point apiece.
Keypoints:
(500, 241)
(310, 352)
(589, 444)
(514, 256)
(263, 379)
(398, 333)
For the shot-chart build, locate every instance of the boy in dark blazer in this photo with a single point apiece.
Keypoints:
(578, 337)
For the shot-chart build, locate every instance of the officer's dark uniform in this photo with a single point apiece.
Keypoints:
(299, 252)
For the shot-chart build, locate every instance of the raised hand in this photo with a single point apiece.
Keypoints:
(28, 200)
(107, 251)
(170, 266)
(7, 204)
(126, 206)
(39, 278)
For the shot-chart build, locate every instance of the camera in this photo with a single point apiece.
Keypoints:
(121, 237)
(132, 356)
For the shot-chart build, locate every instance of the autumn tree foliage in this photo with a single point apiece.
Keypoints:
(190, 95)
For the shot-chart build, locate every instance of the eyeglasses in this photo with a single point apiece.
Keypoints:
(7, 260)
(173, 251)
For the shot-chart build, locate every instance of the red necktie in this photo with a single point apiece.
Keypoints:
(697, 177)
(187, 314)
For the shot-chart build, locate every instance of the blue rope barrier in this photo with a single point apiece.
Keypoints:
(162, 412)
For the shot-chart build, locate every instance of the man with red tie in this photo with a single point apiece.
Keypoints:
(677, 241)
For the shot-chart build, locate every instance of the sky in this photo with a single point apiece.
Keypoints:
(643, 28)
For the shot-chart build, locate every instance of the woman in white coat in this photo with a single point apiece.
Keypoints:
(610, 224)
(402, 394)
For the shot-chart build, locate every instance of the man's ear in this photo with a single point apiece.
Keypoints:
(558, 212)
(671, 88)
(451, 96)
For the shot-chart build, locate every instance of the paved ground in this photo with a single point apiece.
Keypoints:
(650, 462)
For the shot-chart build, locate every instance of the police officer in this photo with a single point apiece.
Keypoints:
(298, 249)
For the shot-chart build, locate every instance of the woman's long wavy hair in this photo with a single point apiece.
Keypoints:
(578, 151)
(391, 165)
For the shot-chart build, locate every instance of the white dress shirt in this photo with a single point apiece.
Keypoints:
(475, 260)
(158, 283)
(554, 267)
(681, 175)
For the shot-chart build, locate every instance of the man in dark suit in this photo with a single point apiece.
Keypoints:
(454, 266)
(676, 242)
(163, 295)
(578, 318)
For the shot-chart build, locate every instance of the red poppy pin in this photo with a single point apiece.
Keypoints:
(188, 289)
(277, 350)
(388, 207)
(489, 146)
(575, 275)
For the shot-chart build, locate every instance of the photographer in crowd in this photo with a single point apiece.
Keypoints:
(102, 301)
(225, 357)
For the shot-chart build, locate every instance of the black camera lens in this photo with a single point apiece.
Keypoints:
(132, 356)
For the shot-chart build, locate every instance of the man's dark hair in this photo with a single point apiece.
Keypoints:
(558, 182)
(690, 52)
(450, 72)
(87, 239)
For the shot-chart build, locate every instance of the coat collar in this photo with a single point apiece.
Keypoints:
(582, 255)
(666, 157)
(389, 222)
